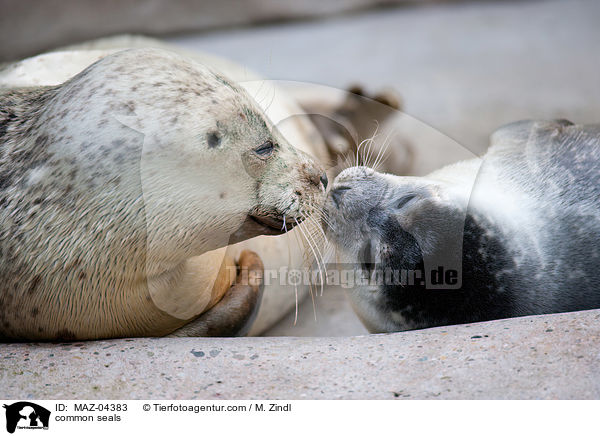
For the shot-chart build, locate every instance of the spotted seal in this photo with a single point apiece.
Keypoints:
(514, 233)
(115, 181)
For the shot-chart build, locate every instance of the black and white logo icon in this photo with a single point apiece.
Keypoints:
(26, 415)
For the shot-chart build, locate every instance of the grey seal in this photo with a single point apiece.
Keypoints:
(514, 233)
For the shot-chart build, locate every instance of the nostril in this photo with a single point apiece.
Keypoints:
(405, 200)
(324, 180)
(336, 194)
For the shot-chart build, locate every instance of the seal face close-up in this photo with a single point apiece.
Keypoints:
(514, 233)
(113, 180)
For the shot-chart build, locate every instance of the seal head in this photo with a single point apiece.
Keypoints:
(514, 233)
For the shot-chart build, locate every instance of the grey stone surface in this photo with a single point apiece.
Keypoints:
(552, 356)
(329, 314)
(34, 27)
(464, 69)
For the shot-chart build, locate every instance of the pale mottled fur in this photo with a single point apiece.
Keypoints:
(110, 188)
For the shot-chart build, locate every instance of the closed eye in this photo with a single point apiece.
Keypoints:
(265, 149)
(404, 201)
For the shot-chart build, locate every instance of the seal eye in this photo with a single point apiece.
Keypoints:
(404, 200)
(265, 149)
(213, 139)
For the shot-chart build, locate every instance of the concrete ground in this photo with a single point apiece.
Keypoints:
(544, 357)
(331, 315)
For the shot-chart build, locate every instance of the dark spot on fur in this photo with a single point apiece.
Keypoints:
(34, 312)
(35, 282)
(5, 119)
(118, 158)
(213, 139)
(222, 195)
(82, 275)
(41, 140)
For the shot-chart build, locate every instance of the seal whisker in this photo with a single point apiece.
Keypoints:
(344, 161)
(324, 218)
(310, 288)
(314, 243)
(312, 220)
(271, 102)
(371, 143)
(260, 88)
(314, 250)
(317, 213)
(383, 151)
(296, 303)
(359, 155)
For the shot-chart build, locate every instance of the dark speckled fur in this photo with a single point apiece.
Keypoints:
(531, 231)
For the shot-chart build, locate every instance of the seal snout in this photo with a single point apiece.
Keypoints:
(314, 175)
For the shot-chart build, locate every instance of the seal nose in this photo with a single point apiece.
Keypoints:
(336, 194)
(324, 180)
(314, 174)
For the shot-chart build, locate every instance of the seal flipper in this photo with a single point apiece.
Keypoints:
(237, 310)
(344, 125)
